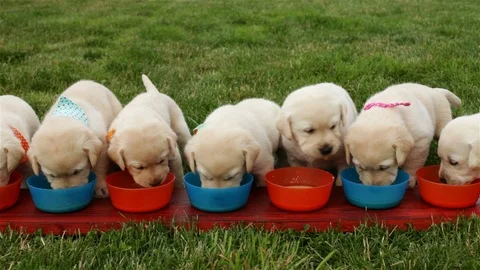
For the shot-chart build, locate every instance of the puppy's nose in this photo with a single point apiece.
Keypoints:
(443, 180)
(326, 149)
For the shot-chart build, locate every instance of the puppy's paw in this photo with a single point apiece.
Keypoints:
(179, 184)
(412, 181)
(101, 190)
(260, 181)
(338, 181)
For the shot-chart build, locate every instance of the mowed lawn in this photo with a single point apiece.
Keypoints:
(208, 53)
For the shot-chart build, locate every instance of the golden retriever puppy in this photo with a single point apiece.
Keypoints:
(143, 137)
(235, 139)
(18, 123)
(313, 123)
(459, 149)
(71, 139)
(395, 129)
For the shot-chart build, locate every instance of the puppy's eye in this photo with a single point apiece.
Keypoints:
(140, 168)
(204, 176)
(76, 172)
(161, 161)
(383, 168)
(229, 178)
(309, 130)
(453, 162)
(361, 168)
(52, 175)
(333, 127)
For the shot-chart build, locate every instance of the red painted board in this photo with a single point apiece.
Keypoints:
(338, 213)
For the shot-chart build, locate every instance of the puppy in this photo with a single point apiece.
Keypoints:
(71, 139)
(395, 129)
(235, 139)
(459, 149)
(18, 122)
(313, 123)
(144, 136)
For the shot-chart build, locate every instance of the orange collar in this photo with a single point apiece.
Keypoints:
(23, 141)
(110, 134)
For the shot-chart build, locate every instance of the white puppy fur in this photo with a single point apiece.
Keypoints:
(459, 149)
(145, 137)
(235, 139)
(313, 123)
(383, 139)
(18, 114)
(66, 150)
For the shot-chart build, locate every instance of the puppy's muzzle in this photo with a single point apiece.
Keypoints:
(443, 180)
(326, 149)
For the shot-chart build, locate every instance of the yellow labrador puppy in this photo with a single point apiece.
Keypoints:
(143, 138)
(71, 139)
(459, 149)
(18, 122)
(313, 123)
(395, 129)
(235, 139)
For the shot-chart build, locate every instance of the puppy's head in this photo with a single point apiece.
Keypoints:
(377, 151)
(11, 154)
(65, 151)
(460, 158)
(144, 152)
(316, 127)
(221, 157)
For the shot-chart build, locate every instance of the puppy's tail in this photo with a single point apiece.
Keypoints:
(149, 85)
(454, 101)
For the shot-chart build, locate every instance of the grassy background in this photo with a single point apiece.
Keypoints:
(208, 53)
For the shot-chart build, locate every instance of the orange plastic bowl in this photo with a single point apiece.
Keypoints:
(128, 196)
(442, 195)
(299, 189)
(9, 193)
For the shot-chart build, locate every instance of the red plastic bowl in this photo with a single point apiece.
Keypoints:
(442, 195)
(299, 189)
(9, 193)
(128, 196)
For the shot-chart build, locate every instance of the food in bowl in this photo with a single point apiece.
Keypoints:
(60, 200)
(373, 197)
(439, 194)
(217, 199)
(9, 194)
(299, 188)
(126, 195)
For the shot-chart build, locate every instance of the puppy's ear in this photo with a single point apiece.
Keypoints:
(284, 126)
(93, 147)
(190, 155)
(474, 156)
(33, 160)
(403, 144)
(172, 146)
(251, 151)
(116, 153)
(14, 156)
(343, 114)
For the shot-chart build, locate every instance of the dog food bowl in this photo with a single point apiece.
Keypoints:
(9, 193)
(60, 200)
(128, 196)
(443, 195)
(299, 189)
(373, 197)
(217, 199)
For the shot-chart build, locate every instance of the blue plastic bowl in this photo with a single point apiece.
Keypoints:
(217, 199)
(373, 197)
(60, 200)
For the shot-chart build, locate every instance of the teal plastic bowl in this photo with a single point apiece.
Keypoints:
(373, 197)
(217, 199)
(60, 200)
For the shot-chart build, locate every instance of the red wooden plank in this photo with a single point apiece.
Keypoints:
(258, 212)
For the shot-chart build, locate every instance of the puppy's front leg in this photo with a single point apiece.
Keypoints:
(101, 170)
(340, 167)
(416, 159)
(176, 168)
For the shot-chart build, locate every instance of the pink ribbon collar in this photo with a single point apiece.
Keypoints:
(385, 105)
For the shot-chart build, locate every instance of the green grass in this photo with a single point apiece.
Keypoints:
(208, 53)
